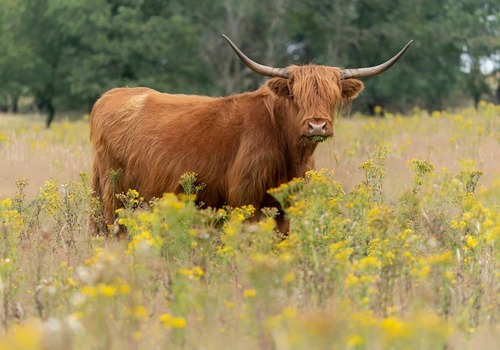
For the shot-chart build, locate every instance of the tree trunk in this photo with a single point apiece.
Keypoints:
(51, 111)
(15, 104)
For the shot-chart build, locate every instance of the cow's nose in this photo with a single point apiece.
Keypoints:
(317, 129)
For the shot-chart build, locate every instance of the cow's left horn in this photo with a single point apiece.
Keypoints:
(256, 67)
(372, 71)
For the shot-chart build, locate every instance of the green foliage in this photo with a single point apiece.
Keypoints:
(375, 173)
(65, 54)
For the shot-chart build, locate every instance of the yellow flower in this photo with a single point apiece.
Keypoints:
(124, 288)
(107, 290)
(23, 336)
(351, 280)
(139, 312)
(249, 293)
(77, 315)
(6, 202)
(197, 271)
(354, 340)
(289, 312)
(185, 272)
(289, 277)
(389, 257)
(394, 328)
(450, 276)
(436, 114)
(168, 321)
(471, 241)
(90, 291)
(443, 258)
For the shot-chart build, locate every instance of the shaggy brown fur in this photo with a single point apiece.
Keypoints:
(240, 146)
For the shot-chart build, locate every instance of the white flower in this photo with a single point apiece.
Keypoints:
(52, 325)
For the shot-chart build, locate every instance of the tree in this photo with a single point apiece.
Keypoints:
(17, 63)
(480, 43)
(67, 53)
(255, 26)
(324, 29)
(86, 47)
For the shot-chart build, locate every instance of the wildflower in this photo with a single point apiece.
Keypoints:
(124, 288)
(368, 262)
(355, 340)
(289, 312)
(443, 258)
(394, 328)
(436, 114)
(73, 322)
(90, 291)
(389, 257)
(107, 290)
(143, 242)
(50, 198)
(228, 304)
(470, 241)
(450, 276)
(6, 202)
(139, 312)
(168, 321)
(249, 293)
(351, 280)
(196, 271)
(378, 110)
(289, 277)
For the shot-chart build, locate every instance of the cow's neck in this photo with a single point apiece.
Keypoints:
(305, 150)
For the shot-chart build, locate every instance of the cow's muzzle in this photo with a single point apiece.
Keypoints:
(317, 131)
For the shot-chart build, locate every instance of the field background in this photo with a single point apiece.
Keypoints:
(397, 248)
(443, 140)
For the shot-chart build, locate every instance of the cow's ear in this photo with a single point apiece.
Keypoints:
(280, 86)
(351, 88)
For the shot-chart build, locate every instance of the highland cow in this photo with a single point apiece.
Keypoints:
(239, 146)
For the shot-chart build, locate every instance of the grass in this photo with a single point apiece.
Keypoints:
(395, 246)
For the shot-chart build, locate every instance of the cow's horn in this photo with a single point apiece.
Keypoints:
(256, 67)
(372, 71)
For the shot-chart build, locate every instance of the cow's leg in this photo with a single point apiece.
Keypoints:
(106, 183)
(283, 224)
(281, 221)
(96, 215)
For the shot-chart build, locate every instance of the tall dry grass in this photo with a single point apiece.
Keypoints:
(397, 248)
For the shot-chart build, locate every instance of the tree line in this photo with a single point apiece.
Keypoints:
(65, 54)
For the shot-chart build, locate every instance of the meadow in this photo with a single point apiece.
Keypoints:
(394, 244)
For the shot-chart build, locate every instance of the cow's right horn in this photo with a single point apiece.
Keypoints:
(372, 71)
(256, 67)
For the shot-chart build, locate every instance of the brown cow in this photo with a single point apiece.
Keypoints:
(240, 146)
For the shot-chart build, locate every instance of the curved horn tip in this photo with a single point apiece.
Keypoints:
(408, 45)
(372, 71)
(257, 67)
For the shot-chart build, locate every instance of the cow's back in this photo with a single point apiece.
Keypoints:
(154, 138)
